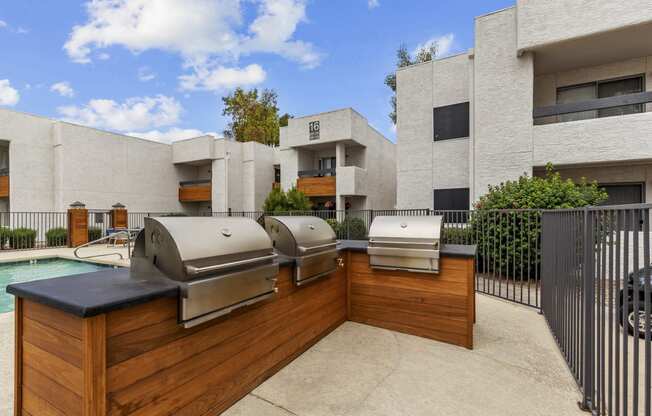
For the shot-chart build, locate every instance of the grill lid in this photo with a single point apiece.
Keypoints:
(299, 235)
(185, 247)
(406, 228)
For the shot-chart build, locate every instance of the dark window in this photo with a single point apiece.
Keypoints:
(601, 89)
(620, 194)
(327, 163)
(277, 174)
(451, 121)
(451, 199)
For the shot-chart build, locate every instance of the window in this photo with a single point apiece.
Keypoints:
(601, 89)
(451, 121)
(327, 163)
(451, 199)
(277, 174)
(620, 194)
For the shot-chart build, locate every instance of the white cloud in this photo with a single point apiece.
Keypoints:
(137, 113)
(199, 30)
(445, 44)
(63, 88)
(3, 23)
(146, 74)
(372, 4)
(103, 56)
(9, 96)
(220, 78)
(172, 135)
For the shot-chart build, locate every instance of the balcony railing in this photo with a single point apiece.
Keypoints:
(316, 173)
(195, 191)
(638, 99)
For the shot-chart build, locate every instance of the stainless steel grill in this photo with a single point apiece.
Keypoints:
(220, 264)
(308, 240)
(405, 243)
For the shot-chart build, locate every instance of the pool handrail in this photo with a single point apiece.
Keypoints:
(126, 233)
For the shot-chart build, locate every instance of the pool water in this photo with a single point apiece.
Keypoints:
(25, 271)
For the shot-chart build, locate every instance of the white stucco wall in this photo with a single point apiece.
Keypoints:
(543, 22)
(503, 103)
(334, 126)
(192, 150)
(422, 163)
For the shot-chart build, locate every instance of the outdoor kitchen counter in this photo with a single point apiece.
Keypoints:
(103, 344)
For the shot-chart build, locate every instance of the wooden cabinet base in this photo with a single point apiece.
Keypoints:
(139, 361)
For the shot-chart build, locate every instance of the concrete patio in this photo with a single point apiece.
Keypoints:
(514, 369)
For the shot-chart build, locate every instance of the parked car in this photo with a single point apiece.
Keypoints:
(630, 314)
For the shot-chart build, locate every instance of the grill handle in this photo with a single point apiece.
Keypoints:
(303, 249)
(411, 243)
(198, 270)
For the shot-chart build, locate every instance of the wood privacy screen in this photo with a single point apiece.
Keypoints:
(318, 186)
(195, 193)
(139, 361)
(4, 186)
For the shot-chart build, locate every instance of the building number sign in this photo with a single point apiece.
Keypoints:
(313, 130)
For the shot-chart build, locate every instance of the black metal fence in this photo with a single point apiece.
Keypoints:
(29, 230)
(597, 301)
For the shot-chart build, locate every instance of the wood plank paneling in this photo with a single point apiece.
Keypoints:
(4, 186)
(35, 405)
(18, 355)
(54, 341)
(217, 364)
(77, 227)
(439, 306)
(50, 365)
(54, 393)
(54, 318)
(319, 186)
(195, 193)
(94, 365)
(119, 218)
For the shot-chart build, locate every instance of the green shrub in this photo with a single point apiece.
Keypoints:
(4, 236)
(458, 235)
(22, 238)
(94, 233)
(56, 237)
(350, 229)
(278, 201)
(509, 241)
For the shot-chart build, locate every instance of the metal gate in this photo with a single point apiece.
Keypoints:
(595, 297)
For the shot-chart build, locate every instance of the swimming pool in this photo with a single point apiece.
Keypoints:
(25, 271)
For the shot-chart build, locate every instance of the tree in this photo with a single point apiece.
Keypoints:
(424, 54)
(278, 201)
(254, 116)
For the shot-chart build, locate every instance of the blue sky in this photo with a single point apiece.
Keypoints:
(158, 68)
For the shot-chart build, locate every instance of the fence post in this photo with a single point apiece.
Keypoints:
(119, 216)
(77, 224)
(588, 299)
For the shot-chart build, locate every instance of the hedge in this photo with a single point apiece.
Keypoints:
(350, 228)
(94, 233)
(22, 238)
(4, 236)
(56, 237)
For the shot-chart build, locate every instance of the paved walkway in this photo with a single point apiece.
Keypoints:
(359, 370)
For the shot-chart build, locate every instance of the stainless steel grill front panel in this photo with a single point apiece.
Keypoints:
(220, 264)
(308, 240)
(405, 243)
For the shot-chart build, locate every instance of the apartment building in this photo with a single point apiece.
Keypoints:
(339, 161)
(547, 81)
(45, 165)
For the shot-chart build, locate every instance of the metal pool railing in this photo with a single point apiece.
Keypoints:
(596, 299)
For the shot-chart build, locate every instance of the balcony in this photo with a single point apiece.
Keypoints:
(605, 134)
(4, 184)
(318, 182)
(351, 181)
(195, 191)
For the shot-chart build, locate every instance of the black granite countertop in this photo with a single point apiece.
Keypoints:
(91, 294)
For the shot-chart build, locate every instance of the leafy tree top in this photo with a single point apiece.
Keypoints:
(549, 192)
(403, 59)
(254, 116)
